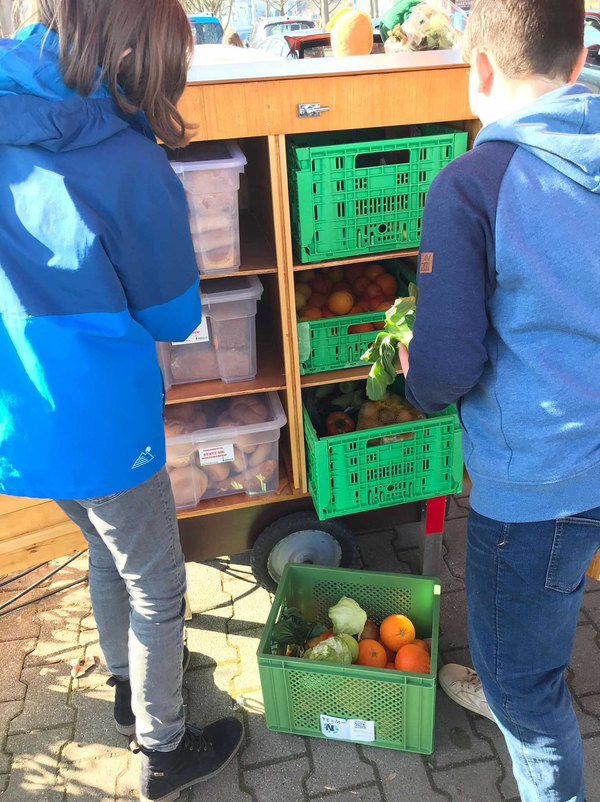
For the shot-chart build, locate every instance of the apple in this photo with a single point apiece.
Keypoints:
(370, 631)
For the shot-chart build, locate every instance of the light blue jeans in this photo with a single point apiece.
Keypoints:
(137, 586)
(524, 588)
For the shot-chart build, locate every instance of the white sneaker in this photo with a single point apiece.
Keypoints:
(463, 686)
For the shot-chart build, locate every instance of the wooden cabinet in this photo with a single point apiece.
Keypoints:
(251, 104)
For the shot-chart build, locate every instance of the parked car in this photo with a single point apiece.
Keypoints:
(590, 75)
(244, 34)
(265, 27)
(207, 30)
(316, 44)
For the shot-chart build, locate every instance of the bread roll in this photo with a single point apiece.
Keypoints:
(199, 420)
(224, 419)
(239, 460)
(247, 410)
(175, 427)
(189, 485)
(185, 412)
(262, 478)
(262, 452)
(216, 473)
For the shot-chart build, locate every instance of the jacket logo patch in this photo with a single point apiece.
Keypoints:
(426, 263)
(144, 458)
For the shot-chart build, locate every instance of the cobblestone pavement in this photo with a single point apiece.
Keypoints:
(58, 742)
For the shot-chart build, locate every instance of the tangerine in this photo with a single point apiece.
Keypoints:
(423, 644)
(396, 631)
(374, 270)
(310, 313)
(340, 303)
(413, 658)
(371, 653)
(388, 284)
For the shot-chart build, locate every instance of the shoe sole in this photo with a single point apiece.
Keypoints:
(129, 729)
(173, 795)
(462, 703)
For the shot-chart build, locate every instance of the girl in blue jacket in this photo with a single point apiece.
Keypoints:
(96, 264)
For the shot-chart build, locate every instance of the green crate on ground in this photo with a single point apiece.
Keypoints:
(375, 468)
(350, 198)
(297, 692)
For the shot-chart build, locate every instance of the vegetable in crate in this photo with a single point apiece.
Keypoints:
(332, 650)
(339, 423)
(383, 353)
(292, 632)
(347, 617)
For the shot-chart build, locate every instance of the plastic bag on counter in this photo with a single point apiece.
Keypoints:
(432, 25)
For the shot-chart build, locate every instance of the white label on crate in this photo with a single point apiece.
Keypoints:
(214, 454)
(353, 729)
(199, 335)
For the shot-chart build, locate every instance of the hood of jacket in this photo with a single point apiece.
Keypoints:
(36, 106)
(559, 128)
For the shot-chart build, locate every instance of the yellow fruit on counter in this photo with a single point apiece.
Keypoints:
(304, 289)
(335, 18)
(352, 35)
(301, 301)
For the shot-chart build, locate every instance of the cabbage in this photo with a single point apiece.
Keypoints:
(352, 645)
(331, 650)
(347, 617)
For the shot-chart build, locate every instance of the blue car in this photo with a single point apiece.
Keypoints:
(207, 30)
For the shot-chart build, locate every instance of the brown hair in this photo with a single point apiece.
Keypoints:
(232, 38)
(528, 37)
(96, 33)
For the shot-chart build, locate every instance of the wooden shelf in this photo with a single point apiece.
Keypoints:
(257, 251)
(336, 376)
(350, 260)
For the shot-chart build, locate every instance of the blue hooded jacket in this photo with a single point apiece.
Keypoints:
(96, 264)
(508, 316)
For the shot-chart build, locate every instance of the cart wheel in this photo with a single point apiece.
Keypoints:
(300, 538)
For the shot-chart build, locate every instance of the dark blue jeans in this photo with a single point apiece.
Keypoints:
(524, 588)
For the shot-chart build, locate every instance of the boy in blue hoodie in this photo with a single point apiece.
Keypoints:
(96, 264)
(508, 328)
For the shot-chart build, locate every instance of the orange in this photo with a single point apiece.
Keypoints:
(373, 290)
(374, 270)
(413, 658)
(423, 644)
(371, 653)
(310, 313)
(359, 285)
(388, 284)
(340, 303)
(396, 631)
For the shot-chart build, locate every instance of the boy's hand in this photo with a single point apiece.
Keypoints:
(403, 354)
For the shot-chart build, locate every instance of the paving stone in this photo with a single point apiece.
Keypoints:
(128, 782)
(272, 783)
(591, 752)
(470, 783)
(456, 511)
(409, 560)
(455, 740)
(34, 773)
(21, 624)
(394, 767)
(337, 766)
(591, 605)
(95, 778)
(453, 621)
(26, 581)
(585, 654)
(226, 788)
(8, 710)
(11, 665)
(251, 606)
(207, 641)
(488, 729)
(377, 551)
(262, 744)
(589, 722)
(461, 656)
(88, 622)
(58, 636)
(455, 540)
(370, 793)
(407, 536)
(246, 644)
(209, 694)
(47, 701)
(4, 778)
(592, 585)
(94, 726)
(205, 587)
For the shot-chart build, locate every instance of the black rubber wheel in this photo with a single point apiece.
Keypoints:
(301, 538)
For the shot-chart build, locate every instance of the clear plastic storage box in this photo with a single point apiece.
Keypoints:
(210, 173)
(224, 345)
(223, 446)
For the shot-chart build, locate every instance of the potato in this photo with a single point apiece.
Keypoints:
(262, 452)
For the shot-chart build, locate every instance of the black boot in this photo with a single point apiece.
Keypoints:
(201, 754)
(124, 718)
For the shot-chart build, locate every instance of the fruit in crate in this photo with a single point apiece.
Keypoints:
(352, 35)
(310, 313)
(370, 630)
(413, 658)
(371, 653)
(396, 631)
(339, 423)
(340, 302)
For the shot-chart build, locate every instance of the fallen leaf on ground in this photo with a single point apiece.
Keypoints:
(81, 666)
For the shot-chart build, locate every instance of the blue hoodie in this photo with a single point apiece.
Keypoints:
(96, 264)
(508, 316)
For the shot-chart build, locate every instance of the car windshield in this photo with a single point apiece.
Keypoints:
(287, 27)
(207, 33)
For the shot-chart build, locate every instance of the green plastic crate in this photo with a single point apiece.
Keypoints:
(345, 199)
(367, 470)
(297, 692)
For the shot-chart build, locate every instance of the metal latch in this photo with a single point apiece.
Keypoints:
(311, 109)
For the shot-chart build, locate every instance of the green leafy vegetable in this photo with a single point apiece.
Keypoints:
(332, 650)
(383, 353)
(347, 616)
(292, 632)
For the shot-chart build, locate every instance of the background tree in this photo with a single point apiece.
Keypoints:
(215, 8)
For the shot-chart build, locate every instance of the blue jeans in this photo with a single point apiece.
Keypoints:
(524, 588)
(137, 586)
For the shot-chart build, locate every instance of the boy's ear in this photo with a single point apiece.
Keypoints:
(579, 66)
(485, 71)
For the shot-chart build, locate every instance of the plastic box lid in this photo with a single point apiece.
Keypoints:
(221, 155)
(276, 420)
(231, 289)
